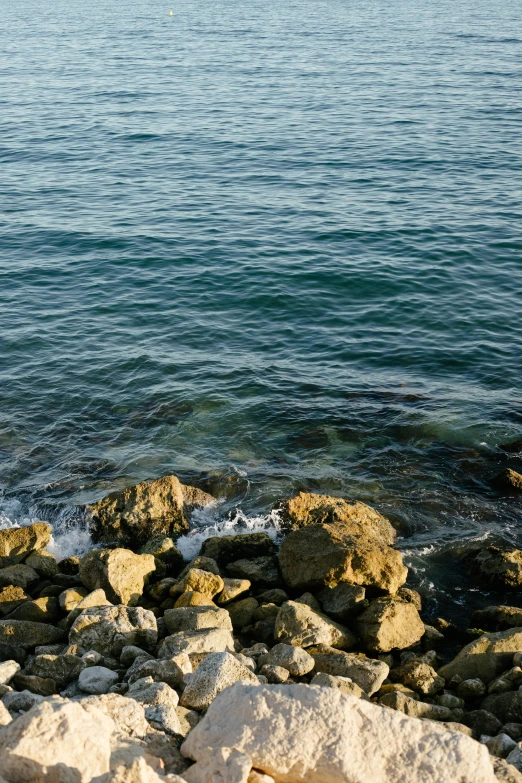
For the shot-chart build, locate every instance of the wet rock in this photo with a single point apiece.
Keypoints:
(97, 679)
(227, 549)
(41, 610)
(133, 515)
(118, 572)
(324, 555)
(411, 597)
(57, 732)
(22, 633)
(316, 734)
(485, 657)
(44, 563)
(108, 629)
(368, 673)
(511, 480)
(217, 672)
(514, 730)
(297, 661)
(20, 575)
(267, 611)
(10, 598)
(242, 612)
(389, 624)
(300, 626)
(194, 618)
(343, 601)
(200, 581)
(500, 566)
(258, 570)
(69, 565)
(420, 677)
(232, 589)
(207, 640)
(497, 618)
(63, 669)
(16, 543)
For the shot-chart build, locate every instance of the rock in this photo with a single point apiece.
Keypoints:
(41, 610)
(199, 581)
(389, 624)
(275, 674)
(70, 598)
(242, 612)
(514, 730)
(300, 626)
(20, 701)
(500, 566)
(42, 686)
(203, 564)
(8, 669)
(296, 732)
(258, 570)
(324, 555)
(497, 618)
(193, 598)
(160, 702)
(227, 549)
(118, 572)
(509, 681)
(20, 575)
(127, 714)
(108, 629)
(44, 563)
(217, 672)
(130, 653)
(397, 687)
(501, 745)
(138, 771)
(297, 661)
(133, 515)
(420, 677)
(164, 549)
(16, 543)
(96, 598)
(266, 611)
(274, 596)
(344, 684)
(414, 707)
(233, 588)
(22, 633)
(368, 673)
(195, 618)
(97, 679)
(170, 670)
(512, 479)
(481, 722)
(485, 657)
(505, 706)
(471, 689)
(343, 601)
(207, 640)
(310, 600)
(506, 773)
(411, 597)
(57, 732)
(5, 716)
(309, 509)
(449, 700)
(63, 669)
(10, 598)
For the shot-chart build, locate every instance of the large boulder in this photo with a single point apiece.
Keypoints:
(315, 735)
(119, 572)
(227, 549)
(497, 618)
(485, 657)
(324, 555)
(389, 624)
(135, 514)
(23, 633)
(108, 629)
(57, 741)
(16, 543)
(500, 566)
(310, 509)
(299, 625)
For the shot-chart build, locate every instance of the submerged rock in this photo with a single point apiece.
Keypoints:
(135, 514)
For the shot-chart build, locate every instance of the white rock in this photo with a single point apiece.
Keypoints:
(138, 771)
(57, 732)
(301, 626)
(5, 715)
(296, 660)
(319, 735)
(8, 669)
(97, 679)
(108, 629)
(128, 714)
(194, 618)
(147, 691)
(214, 674)
(208, 640)
(368, 673)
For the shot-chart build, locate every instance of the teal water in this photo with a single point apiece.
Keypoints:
(266, 247)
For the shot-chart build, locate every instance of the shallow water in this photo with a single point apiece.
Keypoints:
(275, 242)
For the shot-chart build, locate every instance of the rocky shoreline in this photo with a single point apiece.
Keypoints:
(252, 663)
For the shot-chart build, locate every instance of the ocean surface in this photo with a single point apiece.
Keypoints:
(267, 247)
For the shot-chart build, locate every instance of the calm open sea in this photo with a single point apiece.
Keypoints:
(279, 242)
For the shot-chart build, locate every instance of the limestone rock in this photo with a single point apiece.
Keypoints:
(16, 543)
(127, 714)
(497, 618)
(512, 479)
(63, 669)
(199, 581)
(41, 610)
(19, 575)
(258, 570)
(232, 589)
(133, 515)
(138, 771)
(96, 598)
(507, 707)
(389, 624)
(57, 732)
(315, 735)
(194, 618)
(505, 772)
(42, 686)
(242, 612)
(471, 689)
(5, 716)
(227, 549)
(485, 657)
(193, 598)
(10, 598)
(44, 563)
(414, 707)
(508, 681)
(343, 601)
(71, 597)
(368, 673)
(419, 676)
(297, 661)
(207, 640)
(169, 670)
(108, 629)
(324, 555)
(217, 672)
(22, 633)
(500, 566)
(97, 679)
(343, 684)
(8, 669)
(119, 572)
(300, 626)
(481, 722)
(203, 563)
(164, 549)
